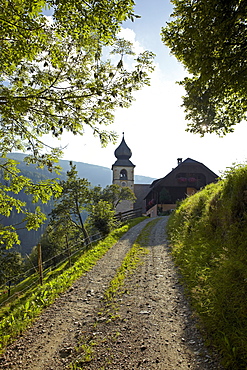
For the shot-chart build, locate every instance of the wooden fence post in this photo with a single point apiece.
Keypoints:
(40, 264)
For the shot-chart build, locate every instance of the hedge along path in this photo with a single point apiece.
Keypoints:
(55, 333)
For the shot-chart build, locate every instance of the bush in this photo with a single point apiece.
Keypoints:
(102, 217)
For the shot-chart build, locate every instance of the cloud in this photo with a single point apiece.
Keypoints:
(49, 19)
(130, 35)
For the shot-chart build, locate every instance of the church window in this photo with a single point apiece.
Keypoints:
(123, 174)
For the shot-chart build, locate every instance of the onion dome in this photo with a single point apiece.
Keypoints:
(123, 151)
(123, 154)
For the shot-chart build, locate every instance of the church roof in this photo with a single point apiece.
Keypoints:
(123, 151)
(123, 154)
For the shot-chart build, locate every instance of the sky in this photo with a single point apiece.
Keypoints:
(154, 126)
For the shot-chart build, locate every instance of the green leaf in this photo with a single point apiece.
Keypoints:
(209, 38)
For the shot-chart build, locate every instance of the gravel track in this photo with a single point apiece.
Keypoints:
(153, 326)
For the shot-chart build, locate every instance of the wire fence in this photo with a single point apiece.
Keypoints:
(19, 292)
(42, 268)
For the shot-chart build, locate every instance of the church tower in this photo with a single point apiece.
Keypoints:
(123, 171)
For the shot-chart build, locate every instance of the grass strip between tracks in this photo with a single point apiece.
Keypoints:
(131, 261)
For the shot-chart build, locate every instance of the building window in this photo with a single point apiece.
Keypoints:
(123, 175)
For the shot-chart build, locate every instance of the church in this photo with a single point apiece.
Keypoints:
(123, 175)
(188, 177)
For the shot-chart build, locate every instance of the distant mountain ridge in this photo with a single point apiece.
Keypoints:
(96, 175)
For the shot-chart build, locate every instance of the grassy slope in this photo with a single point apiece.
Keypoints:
(208, 233)
(24, 309)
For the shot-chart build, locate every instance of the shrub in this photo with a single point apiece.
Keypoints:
(102, 217)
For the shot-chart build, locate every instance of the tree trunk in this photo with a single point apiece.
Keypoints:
(85, 234)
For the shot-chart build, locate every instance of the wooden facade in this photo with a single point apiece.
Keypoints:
(186, 179)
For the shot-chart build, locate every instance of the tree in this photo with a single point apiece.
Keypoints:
(53, 73)
(67, 222)
(102, 207)
(114, 194)
(59, 241)
(55, 77)
(11, 267)
(12, 184)
(102, 217)
(209, 38)
(66, 216)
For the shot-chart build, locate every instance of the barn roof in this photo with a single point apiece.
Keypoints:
(188, 165)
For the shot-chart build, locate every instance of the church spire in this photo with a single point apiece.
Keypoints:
(123, 151)
(123, 172)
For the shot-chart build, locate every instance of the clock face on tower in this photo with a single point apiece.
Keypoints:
(123, 183)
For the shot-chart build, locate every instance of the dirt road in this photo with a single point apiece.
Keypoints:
(150, 326)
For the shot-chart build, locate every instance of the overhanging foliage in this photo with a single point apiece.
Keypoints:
(209, 38)
(55, 78)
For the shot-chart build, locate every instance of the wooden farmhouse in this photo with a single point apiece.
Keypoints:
(186, 179)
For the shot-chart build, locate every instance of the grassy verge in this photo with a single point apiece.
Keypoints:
(20, 313)
(208, 233)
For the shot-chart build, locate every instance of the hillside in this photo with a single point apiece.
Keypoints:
(208, 233)
(96, 175)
